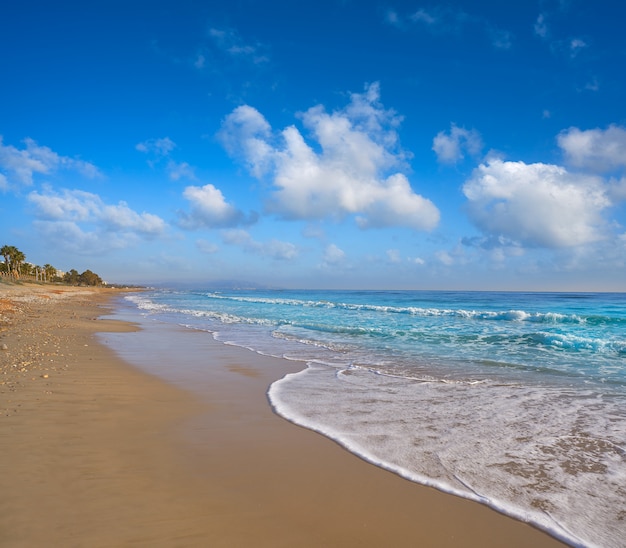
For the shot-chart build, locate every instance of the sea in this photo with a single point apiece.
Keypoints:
(516, 400)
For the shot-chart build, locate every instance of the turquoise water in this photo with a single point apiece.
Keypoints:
(516, 400)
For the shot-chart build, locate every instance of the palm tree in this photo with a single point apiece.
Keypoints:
(7, 252)
(50, 272)
(13, 259)
(17, 260)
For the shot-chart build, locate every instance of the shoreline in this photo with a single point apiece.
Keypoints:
(159, 456)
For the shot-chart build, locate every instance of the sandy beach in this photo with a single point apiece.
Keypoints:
(96, 452)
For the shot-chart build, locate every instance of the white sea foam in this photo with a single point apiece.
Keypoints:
(539, 455)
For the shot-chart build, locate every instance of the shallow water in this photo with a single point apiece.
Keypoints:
(517, 400)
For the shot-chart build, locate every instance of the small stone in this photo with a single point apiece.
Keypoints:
(44, 376)
(4, 347)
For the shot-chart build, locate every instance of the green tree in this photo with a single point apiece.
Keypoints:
(7, 251)
(18, 261)
(13, 259)
(50, 272)
(89, 278)
(26, 269)
(71, 277)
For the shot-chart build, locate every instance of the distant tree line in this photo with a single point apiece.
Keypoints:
(15, 265)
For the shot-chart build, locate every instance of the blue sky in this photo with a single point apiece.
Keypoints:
(335, 143)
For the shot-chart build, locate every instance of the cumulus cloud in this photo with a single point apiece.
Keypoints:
(77, 206)
(209, 209)
(350, 171)
(68, 205)
(246, 135)
(450, 147)
(333, 255)
(83, 223)
(19, 166)
(537, 205)
(274, 249)
(595, 149)
(121, 218)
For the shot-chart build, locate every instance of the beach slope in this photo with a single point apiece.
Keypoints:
(96, 452)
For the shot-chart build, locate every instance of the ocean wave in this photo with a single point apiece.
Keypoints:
(512, 315)
(306, 328)
(577, 343)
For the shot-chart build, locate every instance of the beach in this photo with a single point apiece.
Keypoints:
(95, 451)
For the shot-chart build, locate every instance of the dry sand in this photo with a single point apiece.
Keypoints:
(95, 452)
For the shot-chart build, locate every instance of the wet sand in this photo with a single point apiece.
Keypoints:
(97, 452)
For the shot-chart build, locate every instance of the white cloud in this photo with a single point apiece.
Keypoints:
(541, 26)
(207, 247)
(274, 249)
(617, 189)
(77, 206)
(18, 167)
(70, 236)
(69, 205)
(159, 152)
(537, 205)
(246, 134)
(81, 222)
(121, 218)
(182, 170)
(159, 147)
(209, 209)
(393, 203)
(595, 149)
(592, 85)
(450, 147)
(441, 20)
(576, 45)
(333, 255)
(230, 42)
(393, 256)
(422, 16)
(444, 257)
(350, 172)
(444, 20)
